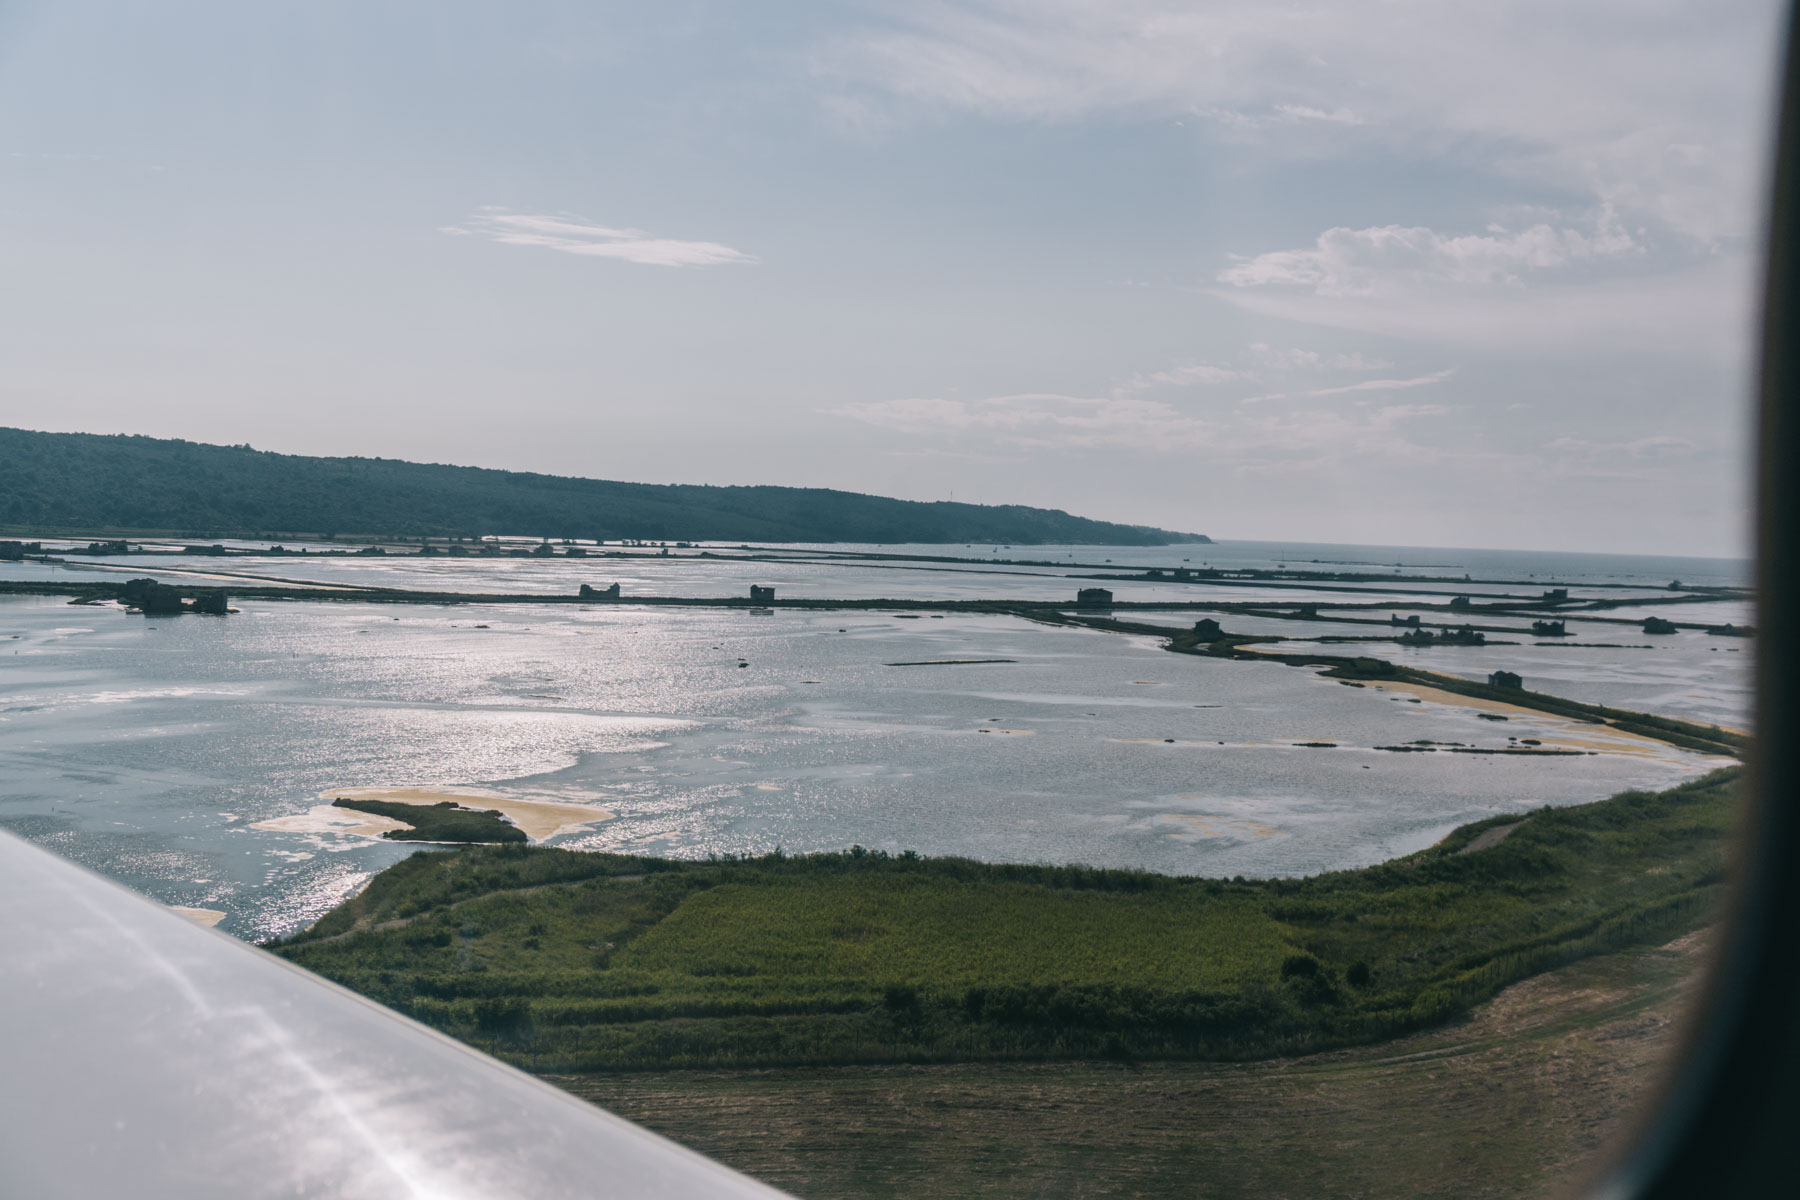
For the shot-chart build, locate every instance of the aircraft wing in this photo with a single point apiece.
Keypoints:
(143, 1056)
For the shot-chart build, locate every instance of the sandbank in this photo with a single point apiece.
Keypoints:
(199, 916)
(1569, 733)
(539, 819)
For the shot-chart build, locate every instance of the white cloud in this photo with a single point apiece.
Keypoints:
(1705, 310)
(1656, 106)
(1187, 376)
(1624, 141)
(1366, 262)
(572, 235)
(1384, 385)
(1300, 112)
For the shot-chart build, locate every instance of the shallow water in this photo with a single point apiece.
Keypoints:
(149, 748)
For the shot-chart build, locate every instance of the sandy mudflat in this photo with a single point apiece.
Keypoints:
(199, 916)
(538, 818)
(1570, 734)
(325, 818)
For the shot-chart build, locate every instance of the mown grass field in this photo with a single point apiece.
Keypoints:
(1520, 1099)
(561, 961)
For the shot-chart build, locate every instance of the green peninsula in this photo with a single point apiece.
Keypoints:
(563, 961)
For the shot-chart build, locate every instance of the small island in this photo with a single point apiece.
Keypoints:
(446, 821)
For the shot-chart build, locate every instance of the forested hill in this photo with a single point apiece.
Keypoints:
(93, 483)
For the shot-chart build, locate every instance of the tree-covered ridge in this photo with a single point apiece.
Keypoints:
(97, 483)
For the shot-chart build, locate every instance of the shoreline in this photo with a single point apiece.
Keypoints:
(539, 819)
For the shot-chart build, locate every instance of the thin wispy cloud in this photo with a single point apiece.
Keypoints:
(1383, 385)
(1296, 359)
(1231, 436)
(1704, 311)
(1300, 112)
(573, 235)
(1644, 108)
(1127, 418)
(1365, 262)
(1191, 375)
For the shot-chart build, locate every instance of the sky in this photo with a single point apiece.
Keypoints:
(1376, 271)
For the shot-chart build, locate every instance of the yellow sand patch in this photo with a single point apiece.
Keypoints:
(538, 818)
(199, 916)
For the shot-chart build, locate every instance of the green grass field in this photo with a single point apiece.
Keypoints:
(565, 961)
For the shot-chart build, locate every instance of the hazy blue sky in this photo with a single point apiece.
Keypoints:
(1401, 272)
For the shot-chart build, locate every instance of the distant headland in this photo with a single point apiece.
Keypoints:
(143, 485)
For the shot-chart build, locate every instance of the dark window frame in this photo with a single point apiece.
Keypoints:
(1728, 1120)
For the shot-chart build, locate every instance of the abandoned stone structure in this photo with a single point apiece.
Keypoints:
(1411, 619)
(1556, 596)
(155, 599)
(1207, 630)
(1461, 602)
(1449, 637)
(761, 595)
(593, 593)
(1550, 628)
(1093, 596)
(1658, 625)
(1505, 679)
